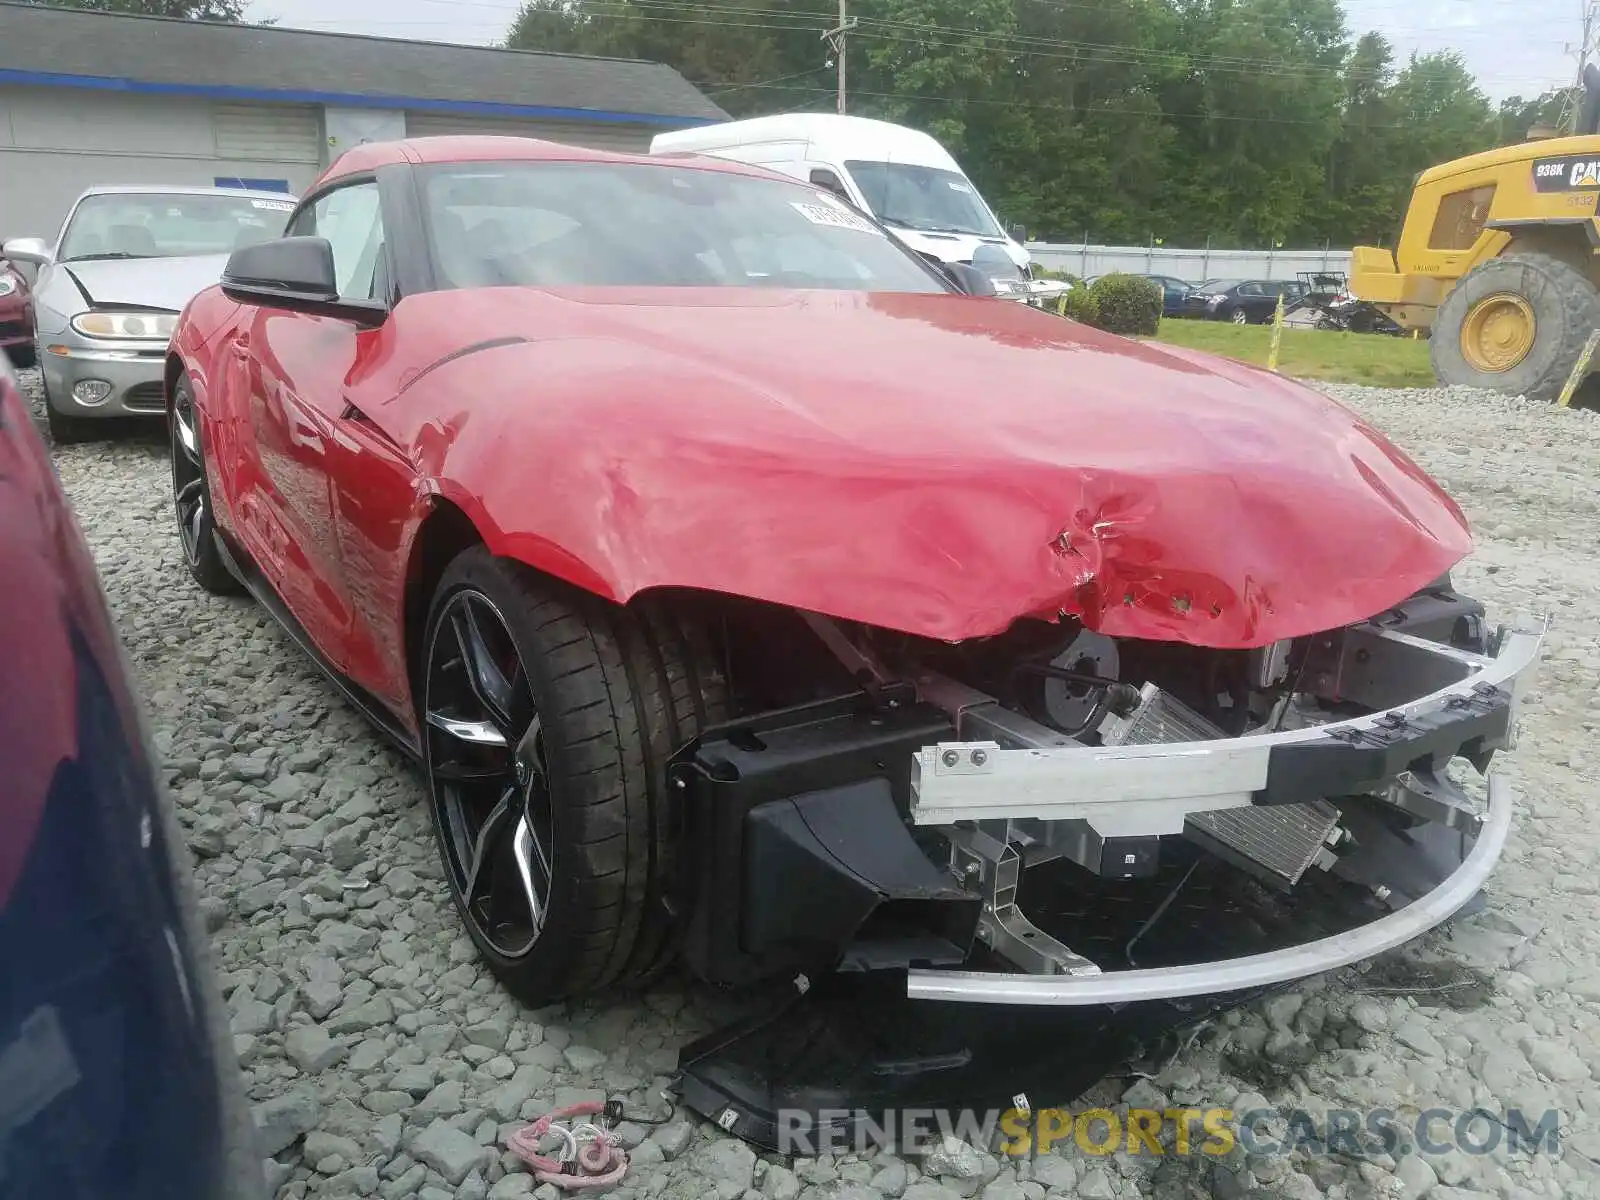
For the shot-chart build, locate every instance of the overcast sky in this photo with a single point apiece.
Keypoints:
(1514, 46)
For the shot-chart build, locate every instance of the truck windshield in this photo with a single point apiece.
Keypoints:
(923, 198)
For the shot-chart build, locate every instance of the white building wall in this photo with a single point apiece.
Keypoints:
(1192, 266)
(55, 142)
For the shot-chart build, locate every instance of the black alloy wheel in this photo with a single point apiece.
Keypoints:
(547, 717)
(191, 495)
(486, 763)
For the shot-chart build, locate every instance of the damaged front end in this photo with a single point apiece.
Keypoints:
(998, 866)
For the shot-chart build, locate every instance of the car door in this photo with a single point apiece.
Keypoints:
(1253, 298)
(300, 363)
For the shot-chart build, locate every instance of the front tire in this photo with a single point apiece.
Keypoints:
(548, 717)
(1239, 317)
(191, 496)
(1516, 325)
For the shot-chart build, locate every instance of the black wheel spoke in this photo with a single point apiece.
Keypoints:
(460, 773)
(495, 826)
(187, 441)
(473, 733)
(196, 517)
(188, 480)
(533, 871)
(490, 683)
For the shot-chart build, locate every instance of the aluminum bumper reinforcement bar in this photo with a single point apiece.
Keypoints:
(1237, 974)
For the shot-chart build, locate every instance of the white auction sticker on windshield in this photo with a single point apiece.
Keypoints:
(835, 215)
(956, 186)
(273, 205)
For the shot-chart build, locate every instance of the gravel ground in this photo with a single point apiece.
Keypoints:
(383, 1061)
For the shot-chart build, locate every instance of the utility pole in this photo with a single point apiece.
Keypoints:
(836, 43)
(1570, 119)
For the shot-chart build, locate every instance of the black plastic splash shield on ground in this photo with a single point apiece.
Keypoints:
(854, 1048)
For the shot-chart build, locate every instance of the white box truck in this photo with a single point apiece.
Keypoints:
(903, 177)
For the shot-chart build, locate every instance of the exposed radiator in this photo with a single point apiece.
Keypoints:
(1159, 718)
(1276, 843)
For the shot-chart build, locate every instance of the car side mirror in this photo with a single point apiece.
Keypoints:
(1018, 234)
(27, 250)
(971, 280)
(295, 274)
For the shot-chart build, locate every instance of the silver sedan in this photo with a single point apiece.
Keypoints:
(109, 292)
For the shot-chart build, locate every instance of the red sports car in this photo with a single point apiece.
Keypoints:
(751, 594)
(16, 316)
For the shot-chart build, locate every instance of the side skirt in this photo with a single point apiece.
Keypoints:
(243, 568)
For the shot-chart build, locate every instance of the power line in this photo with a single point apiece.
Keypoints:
(1259, 20)
(947, 37)
(957, 38)
(723, 89)
(953, 37)
(1091, 109)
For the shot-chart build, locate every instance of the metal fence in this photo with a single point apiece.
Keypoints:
(1192, 266)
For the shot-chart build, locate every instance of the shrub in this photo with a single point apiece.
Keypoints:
(1128, 304)
(1080, 305)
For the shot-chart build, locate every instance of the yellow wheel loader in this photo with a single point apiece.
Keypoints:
(1499, 261)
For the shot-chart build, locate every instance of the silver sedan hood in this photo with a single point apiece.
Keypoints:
(168, 283)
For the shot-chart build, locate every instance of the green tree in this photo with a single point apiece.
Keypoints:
(1245, 122)
(730, 54)
(1362, 188)
(194, 10)
(1518, 116)
(1444, 112)
(1257, 106)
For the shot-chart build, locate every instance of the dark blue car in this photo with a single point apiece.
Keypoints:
(117, 1073)
(1173, 292)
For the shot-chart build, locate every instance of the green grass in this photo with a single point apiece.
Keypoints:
(1312, 354)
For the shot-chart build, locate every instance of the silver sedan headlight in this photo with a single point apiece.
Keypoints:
(135, 326)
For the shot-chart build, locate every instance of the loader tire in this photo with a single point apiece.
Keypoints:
(1516, 325)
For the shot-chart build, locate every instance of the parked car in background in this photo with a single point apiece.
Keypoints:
(108, 293)
(118, 1074)
(1174, 292)
(1242, 301)
(16, 316)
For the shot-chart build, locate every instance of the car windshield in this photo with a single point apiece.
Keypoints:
(575, 224)
(169, 225)
(923, 198)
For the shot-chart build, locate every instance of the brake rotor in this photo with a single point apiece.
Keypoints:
(1069, 705)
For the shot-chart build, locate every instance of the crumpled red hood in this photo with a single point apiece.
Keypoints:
(933, 464)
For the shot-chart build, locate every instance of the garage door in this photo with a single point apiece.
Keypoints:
(633, 139)
(287, 133)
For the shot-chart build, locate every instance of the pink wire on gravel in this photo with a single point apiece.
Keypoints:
(600, 1164)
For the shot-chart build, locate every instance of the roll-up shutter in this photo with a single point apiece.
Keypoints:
(598, 135)
(268, 132)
